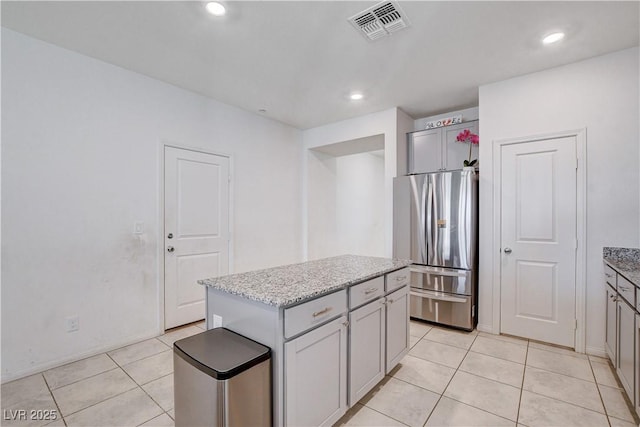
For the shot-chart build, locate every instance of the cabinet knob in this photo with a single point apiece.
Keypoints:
(170, 249)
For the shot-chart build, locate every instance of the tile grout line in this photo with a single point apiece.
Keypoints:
(479, 376)
(449, 382)
(110, 397)
(142, 358)
(604, 407)
(55, 402)
(140, 387)
(524, 371)
(86, 378)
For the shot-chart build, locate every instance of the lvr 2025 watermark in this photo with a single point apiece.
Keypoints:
(30, 414)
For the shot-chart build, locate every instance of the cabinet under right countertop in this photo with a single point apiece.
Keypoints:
(622, 340)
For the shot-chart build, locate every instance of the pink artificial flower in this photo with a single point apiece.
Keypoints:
(467, 136)
(462, 136)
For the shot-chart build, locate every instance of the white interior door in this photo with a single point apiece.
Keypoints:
(538, 240)
(196, 230)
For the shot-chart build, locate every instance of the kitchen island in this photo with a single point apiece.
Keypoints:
(335, 326)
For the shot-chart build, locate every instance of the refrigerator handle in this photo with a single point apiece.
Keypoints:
(419, 199)
(430, 242)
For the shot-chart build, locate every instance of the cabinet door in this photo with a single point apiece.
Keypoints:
(315, 376)
(425, 151)
(626, 347)
(455, 153)
(366, 349)
(397, 327)
(612, 322)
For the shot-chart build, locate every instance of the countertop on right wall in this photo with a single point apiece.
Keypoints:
(626, 261)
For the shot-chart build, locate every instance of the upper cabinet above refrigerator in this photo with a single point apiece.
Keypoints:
(436, 149)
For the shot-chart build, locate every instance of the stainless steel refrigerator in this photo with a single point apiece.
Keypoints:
(435, 225)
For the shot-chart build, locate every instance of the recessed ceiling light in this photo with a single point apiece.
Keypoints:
(356, 96)
(215, 8)
(553, 37)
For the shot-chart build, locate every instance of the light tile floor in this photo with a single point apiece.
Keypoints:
(453, 378)
(130, 386)
(449, 378)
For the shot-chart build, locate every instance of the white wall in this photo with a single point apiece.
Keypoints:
(601, 95)
(393, 124)
(347, 193)
(80, 164)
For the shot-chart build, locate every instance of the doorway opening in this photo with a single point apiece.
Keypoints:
(346, 183)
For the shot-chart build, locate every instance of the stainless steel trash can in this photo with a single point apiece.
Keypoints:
(221, 379)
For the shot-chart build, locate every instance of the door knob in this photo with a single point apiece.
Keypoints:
(507, 250)
(170, 249)
(170, 236)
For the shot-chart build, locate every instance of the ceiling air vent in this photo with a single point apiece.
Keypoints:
(380, 20)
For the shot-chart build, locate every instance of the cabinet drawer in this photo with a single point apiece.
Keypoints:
(610, 275)
(366, 291)
(397, 279)
(627, 290)
(313, 313)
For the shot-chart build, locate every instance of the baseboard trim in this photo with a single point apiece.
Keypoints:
(596, 351)
(485, 328)
(35, 369)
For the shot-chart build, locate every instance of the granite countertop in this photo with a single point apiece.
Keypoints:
(290, 284)
(625, 261)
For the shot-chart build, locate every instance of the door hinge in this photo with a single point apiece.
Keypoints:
(575, 324)
(577, 162)
(229, 178)
(575, 244)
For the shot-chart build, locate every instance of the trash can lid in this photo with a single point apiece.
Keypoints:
(221, 353)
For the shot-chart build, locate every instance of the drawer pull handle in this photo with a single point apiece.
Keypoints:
(610, 276)
(345, 323)
(321, 312)
(390, 300)
(370, 290)
(625, 289)
(401, 278)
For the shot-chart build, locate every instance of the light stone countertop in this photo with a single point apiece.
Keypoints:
(290, 284)
(625, 261)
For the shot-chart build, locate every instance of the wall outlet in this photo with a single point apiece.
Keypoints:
(217, 321)
(138, 227)
(73, 323)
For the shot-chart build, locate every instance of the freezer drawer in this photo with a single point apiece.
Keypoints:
(440, 307)
(442, 279)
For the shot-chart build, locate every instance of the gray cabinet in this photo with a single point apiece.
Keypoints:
(397, 327)
(379, 331)
(436, 149)
(315, 373)
(611, 328)
(622, 339)
(626, 348)
(367, 349)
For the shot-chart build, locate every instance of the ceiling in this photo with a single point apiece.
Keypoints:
(298, 60)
